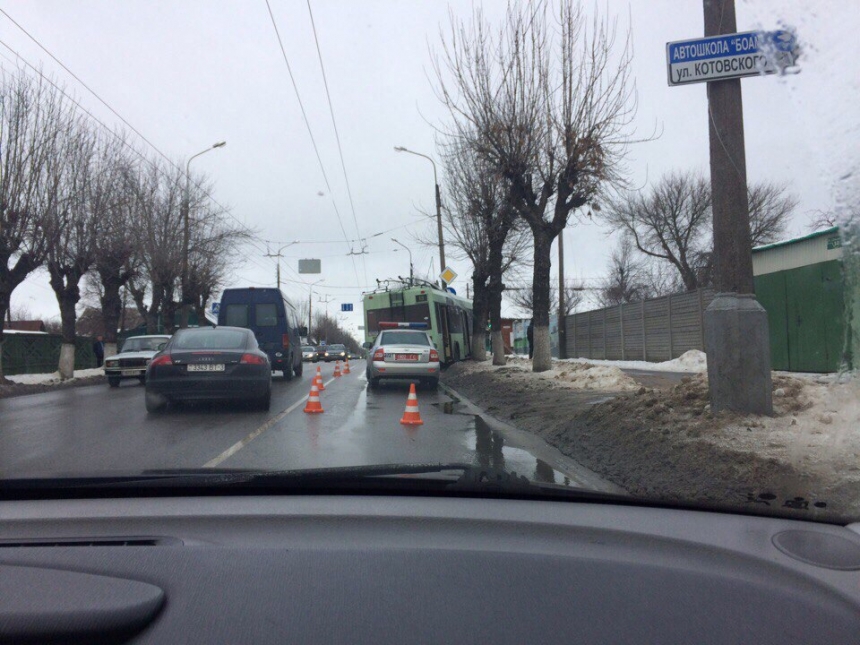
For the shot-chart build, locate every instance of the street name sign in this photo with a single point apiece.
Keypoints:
(717, 58)
(346, 306)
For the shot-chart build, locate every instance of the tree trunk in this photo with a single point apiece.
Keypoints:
(495, 305)
(64, 282)
(479, 318)
(542, 360)
(4, 310)
(112, 308)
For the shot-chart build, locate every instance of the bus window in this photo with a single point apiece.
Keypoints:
(408, 313)
(455, 320)
(236, 316)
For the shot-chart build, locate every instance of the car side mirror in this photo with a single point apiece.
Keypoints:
(303, 331)
(367, 345)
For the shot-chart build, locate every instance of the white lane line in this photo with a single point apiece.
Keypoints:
(236, 447)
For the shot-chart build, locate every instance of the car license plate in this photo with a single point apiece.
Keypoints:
(406, 357)
(206, 367)
(129, 372)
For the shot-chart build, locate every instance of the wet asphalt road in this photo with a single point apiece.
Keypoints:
(99, 429)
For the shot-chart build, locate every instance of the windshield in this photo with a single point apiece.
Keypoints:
(403, 338)
(611, 246)
(144, 344)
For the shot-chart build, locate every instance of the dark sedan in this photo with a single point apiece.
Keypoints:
(206, 364)
(335, 353)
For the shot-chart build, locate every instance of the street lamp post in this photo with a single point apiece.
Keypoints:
(408, 250)
(311, 304)
(438, 207)
(186, 207)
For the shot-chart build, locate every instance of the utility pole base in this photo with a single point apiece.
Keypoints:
(737, 343)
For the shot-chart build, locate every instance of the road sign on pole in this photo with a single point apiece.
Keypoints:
(346, 306)
(448, 275)
(216, 307)
(750, 53)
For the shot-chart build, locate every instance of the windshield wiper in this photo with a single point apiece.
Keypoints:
(453, 478)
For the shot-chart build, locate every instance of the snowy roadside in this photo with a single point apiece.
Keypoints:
(21, 384)
(666, 443)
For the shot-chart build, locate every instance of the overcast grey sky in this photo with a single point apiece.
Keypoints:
(189, 73)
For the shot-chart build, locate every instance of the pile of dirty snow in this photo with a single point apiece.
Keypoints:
(54, 377)
(578, 376)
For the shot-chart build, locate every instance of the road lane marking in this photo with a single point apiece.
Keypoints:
(236, 447)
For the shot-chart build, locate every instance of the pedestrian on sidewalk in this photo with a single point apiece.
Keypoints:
(99, 350)
(530, 334)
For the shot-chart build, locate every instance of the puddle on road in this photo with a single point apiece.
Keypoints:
(491, 452)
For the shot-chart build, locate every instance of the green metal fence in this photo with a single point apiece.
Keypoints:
(40, 353)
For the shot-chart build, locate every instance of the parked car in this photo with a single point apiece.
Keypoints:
(309, 353)
(403, 351)
(205, 363)
(132, 359)
(335, 353)
(273, 319)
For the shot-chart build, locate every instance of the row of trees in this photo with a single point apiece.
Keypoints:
(540, 112)
(81, 203)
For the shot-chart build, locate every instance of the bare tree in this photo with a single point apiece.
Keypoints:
(523, 298)
(548, 108)
(822, 219)
(481, 224)
(71, 231)
(670, 223)
(33, 116)
(627, 277)
(771, 207)
(115, 261)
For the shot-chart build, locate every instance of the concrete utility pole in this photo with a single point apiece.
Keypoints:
(277, 257)
(737, 341)
(562, 332)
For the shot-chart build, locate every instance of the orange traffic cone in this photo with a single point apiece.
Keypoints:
(411, 417)
(313, 405)
(337, 369)
(318, 379)
(346, 367)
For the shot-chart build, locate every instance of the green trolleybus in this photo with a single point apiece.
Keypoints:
(448, 317)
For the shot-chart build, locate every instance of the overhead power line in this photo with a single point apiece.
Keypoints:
(336, 133)
(310, 131)
(110, 130)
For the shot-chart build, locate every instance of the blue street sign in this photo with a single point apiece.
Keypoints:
(216, 307)
(750, 53)
(346, 306)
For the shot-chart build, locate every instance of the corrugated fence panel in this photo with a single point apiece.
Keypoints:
(598, 333)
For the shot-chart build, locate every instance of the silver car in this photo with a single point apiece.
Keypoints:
(133, 358)
(403, 353)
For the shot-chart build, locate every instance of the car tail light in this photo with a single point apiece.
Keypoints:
(379, 355)
(164, 359)
(252, 359)
(285, 340)
(434, 356)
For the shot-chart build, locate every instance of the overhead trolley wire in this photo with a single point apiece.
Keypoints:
(336, 133)
(310, 131)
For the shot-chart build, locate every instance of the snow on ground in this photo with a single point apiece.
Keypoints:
(692, 361)
(54, 377)
(578, 376)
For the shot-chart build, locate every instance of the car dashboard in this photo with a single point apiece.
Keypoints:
(371, 569)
